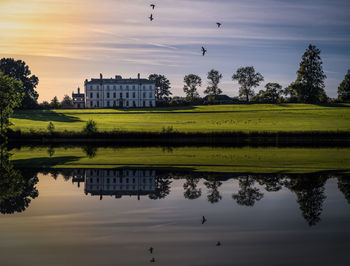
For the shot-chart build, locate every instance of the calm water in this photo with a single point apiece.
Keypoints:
(113, 216)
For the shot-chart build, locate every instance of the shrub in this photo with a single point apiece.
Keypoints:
(168, 129)
(90, 127)
(51, 128)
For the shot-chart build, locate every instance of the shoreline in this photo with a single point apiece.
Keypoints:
(298, 138)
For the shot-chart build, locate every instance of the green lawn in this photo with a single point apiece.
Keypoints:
(210, 159)
(265, 117)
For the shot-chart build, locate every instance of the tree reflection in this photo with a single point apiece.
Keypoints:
(162, 188)
(90, 151)
(271, 183)
(190, 187)
(17, 188)
(213, 190)
(310, 194)
(344, 187)
(247, 195)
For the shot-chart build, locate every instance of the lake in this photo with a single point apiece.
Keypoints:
(214, 206)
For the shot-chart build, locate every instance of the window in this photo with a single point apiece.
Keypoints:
(144, 95)
(107, 87)
(150, 87)
(114, 95)
(144, 87)
(133, 94)
(107, 94)
(150, 95)
(98, 104)
(127, 87)
(127, 95)
(107, 103)
(144, 104)
(91, 95)
(127, 103)
(114, 87)
(98, 95)
(133, 87)
(121, 95)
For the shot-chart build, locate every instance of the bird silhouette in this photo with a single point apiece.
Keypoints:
(219, 24)
(150, 250)
(151, 17)
(153, 260)
(153, 6)
(218, 243)
(203, 220)
(203, 51)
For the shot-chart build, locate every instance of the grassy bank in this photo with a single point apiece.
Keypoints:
(193, 119)
(210, 159)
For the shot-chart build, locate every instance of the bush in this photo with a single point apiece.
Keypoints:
(51, 128)
(90, 127)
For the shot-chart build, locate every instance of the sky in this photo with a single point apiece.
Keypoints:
(65, 42)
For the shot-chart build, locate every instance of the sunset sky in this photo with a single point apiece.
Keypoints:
(66, 41)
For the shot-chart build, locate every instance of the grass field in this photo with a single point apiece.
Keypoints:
(219, 118)
(210, 159)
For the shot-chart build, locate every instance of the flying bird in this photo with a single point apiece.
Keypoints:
(203, 51)
(219, 24)
(203, 220)
(153, 260)
(153, 6)
(218, 243)
(150, 250)
(151, 17)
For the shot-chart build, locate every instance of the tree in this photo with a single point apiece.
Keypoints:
(213, 89)
(213, 190)
(247, 79)
(67, 101)
(344, 88)
(55, 102)
(247, 195)
(191, 190)
(190, 88)
(162, 86)
(18, 70)
(11, 96)
(309, 85)
(272, 93)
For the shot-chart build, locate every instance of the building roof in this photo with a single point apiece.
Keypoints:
(119, 81)
(78, 95)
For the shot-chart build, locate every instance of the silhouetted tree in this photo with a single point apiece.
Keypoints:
(11, 95)
(247, 195)
(67, 101)
(55, 103)
(191, 190)
(272, 93)
(213, 190)
(16, 188)
(344, 186)
(190, 88)
(213, 89)
(90, 151)
(18, 70)
(272, 183)
(344, 88)
(162, 86)
(247, 79)
(309, 85)
(310, 194)
(162, 188)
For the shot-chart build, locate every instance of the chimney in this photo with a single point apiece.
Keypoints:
(101, 76)
(78, 90)
(138, 76)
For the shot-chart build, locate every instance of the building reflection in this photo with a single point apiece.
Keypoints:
(117, 183)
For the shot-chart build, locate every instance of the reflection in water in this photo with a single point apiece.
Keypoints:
(247, 194)
(17, 188)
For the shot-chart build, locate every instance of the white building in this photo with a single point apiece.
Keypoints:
(119, 92)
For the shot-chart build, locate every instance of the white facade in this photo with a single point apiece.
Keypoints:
(119, 92)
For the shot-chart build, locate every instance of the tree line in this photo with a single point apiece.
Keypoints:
(307, 88)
